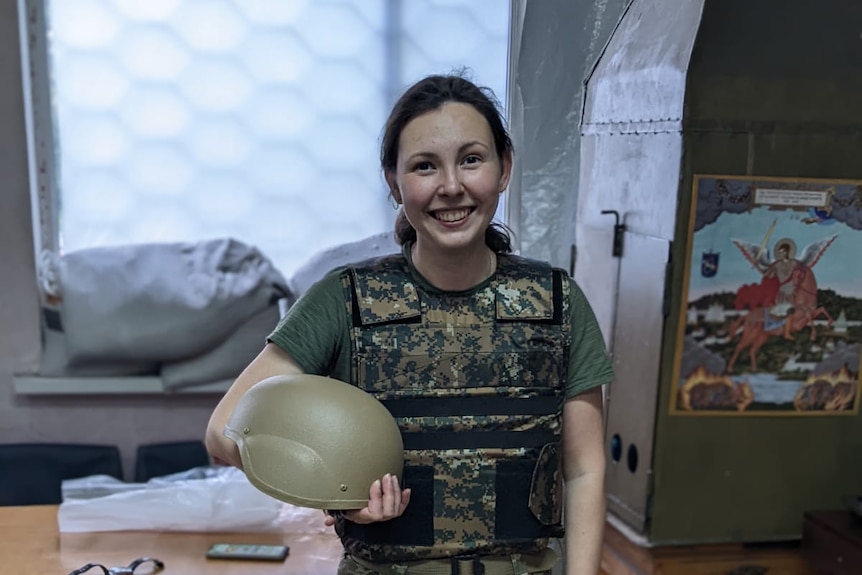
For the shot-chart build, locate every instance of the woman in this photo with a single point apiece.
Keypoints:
(506, 349)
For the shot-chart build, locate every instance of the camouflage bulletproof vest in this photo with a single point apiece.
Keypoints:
(476, 383)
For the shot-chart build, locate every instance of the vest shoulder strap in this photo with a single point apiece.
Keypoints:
(528, 290)
(384, 291)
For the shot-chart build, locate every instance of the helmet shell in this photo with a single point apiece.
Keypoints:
(315, 441)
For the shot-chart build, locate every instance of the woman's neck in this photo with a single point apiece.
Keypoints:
(455, 271)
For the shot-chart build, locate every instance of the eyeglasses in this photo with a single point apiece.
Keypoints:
(129, 570)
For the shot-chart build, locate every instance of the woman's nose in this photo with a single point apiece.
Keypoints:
(451, 184)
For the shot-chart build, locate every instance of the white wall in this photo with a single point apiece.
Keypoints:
(123, 421)
(558, 44)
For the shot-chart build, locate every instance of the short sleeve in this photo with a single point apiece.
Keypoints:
(313, 330)
(590, 364)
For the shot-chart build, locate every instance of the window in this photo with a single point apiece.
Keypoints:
(181, 120)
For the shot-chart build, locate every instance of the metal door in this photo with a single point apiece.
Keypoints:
(632, 398)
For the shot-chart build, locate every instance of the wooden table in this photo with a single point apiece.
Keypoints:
(31, 544)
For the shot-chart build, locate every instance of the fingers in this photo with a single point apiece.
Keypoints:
(375, 503)
(391, 497)
(329, 518)
(386, 501)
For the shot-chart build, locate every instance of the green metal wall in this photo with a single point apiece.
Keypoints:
(774, 89)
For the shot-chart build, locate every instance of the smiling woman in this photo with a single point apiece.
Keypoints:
(490, 363)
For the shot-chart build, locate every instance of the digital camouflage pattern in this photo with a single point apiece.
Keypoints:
(349, 566)
(506, 340)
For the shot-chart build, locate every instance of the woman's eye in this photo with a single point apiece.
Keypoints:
(472, 159)
(423, 166)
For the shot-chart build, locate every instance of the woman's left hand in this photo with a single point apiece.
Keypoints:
(386, 500)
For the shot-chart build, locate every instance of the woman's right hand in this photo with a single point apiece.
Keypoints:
(386, 500)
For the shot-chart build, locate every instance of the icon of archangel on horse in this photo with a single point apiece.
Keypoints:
(785, 300)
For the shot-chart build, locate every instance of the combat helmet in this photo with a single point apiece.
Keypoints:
(315, 441)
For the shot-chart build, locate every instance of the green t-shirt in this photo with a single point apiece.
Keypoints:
(315, 332)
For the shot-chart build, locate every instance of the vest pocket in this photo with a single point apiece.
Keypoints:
(546, 491)
(415, 526)
(518, 485)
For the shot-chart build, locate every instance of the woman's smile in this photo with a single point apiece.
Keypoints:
(451, 216)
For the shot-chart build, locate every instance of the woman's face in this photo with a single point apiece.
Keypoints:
(449, 177)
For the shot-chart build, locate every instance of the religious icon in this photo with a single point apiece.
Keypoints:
(778, 327)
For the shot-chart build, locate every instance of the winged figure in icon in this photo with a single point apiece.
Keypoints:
(785, 300)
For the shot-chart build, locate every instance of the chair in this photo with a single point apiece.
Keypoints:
(158, 459)
(32, 473)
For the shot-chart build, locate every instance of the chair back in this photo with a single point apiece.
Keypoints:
(33, 473)
(158, 459)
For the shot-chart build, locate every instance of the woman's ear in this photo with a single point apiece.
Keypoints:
(506, 167)
(393, 188)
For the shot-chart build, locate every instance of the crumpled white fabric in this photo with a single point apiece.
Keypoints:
(205, 499)
(158, 302)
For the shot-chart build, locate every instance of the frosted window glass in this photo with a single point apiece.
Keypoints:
(180, 120)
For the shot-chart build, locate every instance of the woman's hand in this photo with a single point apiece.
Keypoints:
(386, 500)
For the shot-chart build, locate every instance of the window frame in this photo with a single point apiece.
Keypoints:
(39, 124)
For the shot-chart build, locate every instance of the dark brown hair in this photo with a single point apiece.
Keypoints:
(429, 94)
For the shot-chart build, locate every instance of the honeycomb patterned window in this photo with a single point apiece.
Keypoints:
(180, 120)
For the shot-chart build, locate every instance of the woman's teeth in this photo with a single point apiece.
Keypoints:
(452, 215)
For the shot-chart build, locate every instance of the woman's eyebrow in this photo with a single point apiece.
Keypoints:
(471, 144)
(461, 149)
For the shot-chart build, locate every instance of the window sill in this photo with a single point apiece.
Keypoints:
(37, 385)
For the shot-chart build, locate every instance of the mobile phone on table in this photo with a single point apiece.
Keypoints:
(248, 551)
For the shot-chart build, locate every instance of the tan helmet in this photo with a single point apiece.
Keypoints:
(315, 441)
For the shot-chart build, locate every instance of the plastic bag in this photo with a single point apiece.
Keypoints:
(204, 499)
